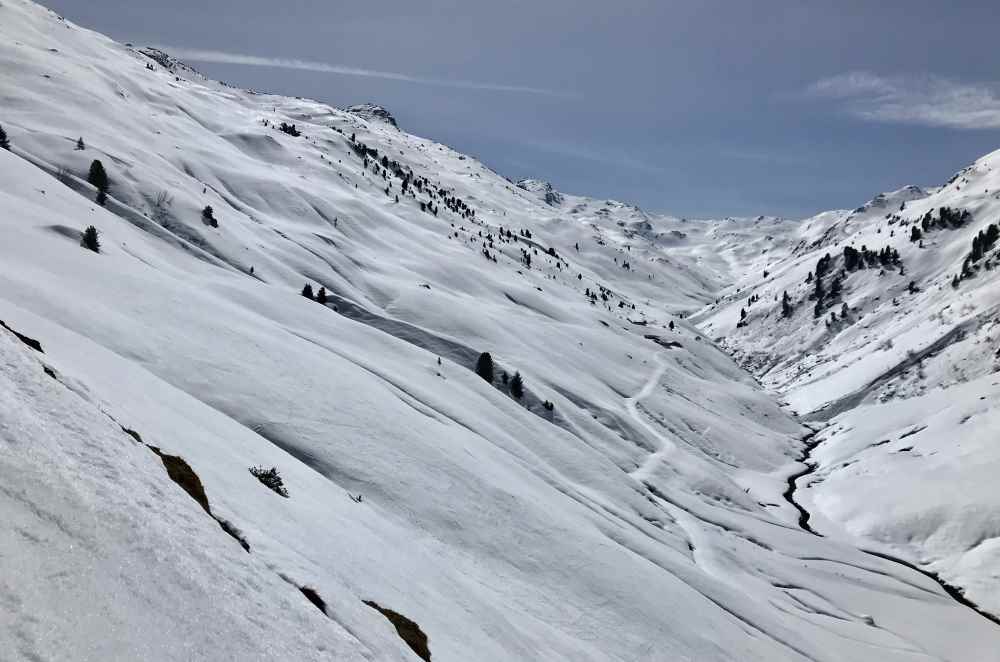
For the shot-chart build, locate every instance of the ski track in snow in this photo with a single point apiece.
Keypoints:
(577, 522)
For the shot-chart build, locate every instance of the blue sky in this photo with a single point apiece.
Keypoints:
(697, 108)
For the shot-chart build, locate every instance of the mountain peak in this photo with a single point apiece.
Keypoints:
(543, 189)
(373, 111)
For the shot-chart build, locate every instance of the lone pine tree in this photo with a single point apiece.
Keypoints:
(97, 176)
(517, 386)
(484, 367)
(208, 216)
(90, 239)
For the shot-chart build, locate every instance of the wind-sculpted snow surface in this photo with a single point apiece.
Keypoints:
(627, 507)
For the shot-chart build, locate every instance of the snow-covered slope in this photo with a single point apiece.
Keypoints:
(900, 357)
(628, 507)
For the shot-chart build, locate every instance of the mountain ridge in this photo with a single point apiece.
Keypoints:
(627, 506)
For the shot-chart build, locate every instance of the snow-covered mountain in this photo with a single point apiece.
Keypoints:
(895, 349)
(637, 502)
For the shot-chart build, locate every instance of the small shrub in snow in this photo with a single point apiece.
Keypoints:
(90, 239)
(271, 479)
(4, 143)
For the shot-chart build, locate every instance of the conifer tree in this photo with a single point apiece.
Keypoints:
(97, 177)
(208, 216)
(484, 367)
(517, 386)
(4, 143)
(79, 144)
(307, 291)
(102, 198)
(321, 295)
(786, 304)
(90, 239)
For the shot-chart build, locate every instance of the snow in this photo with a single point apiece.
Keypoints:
(641, 519)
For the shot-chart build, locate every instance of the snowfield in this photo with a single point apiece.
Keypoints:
(634, 504)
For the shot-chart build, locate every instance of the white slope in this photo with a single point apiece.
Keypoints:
(907, 381)
(641, 518)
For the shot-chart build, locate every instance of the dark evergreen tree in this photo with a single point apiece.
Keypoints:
(208, 216)
(102, 197)
(819, 291)
(307, 291)
(915, 234)
(321, 295)
(852, 258)
(484, 367)
(90, 239)
(79, 144)
(97, 177)
(517, 386)
(844, 311)
(4, 142)
(786, 304)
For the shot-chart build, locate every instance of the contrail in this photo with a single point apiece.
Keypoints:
(200, 55)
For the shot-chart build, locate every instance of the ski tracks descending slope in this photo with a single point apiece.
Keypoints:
(700, 549)
(632, 405)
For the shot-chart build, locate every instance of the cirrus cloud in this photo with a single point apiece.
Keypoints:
(922, 100)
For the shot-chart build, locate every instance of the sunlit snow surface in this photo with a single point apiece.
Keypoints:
(641, 519)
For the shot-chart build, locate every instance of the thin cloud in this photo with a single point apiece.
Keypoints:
(923, 100)
(581, 152)
(200, 55)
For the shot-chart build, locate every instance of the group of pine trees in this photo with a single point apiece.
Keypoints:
(981, 243)
(984, 241)
(868, 259)
(515, 384)
(318, 297)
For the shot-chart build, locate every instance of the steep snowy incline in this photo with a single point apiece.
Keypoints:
(627, 507)
(97, 541)
(889, 335)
